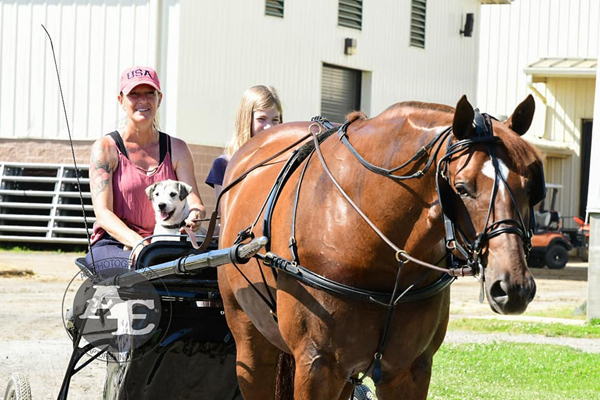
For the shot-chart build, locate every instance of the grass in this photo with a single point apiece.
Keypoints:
(511, 371)
(515, 371)
(564, 312)
(587, 331)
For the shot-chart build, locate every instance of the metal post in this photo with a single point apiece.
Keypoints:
(593, 302)
(593, 210)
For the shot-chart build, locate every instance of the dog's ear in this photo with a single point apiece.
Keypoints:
(184, 190)
(149, 190)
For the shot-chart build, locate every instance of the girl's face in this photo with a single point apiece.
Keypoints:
(141, 103)
(264, 119)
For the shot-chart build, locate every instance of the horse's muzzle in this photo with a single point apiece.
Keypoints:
(507, 297)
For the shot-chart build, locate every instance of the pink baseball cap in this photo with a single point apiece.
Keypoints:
(135, 76)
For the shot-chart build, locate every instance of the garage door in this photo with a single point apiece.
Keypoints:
(340, 92)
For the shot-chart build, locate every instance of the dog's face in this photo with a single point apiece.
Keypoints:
(168, 200)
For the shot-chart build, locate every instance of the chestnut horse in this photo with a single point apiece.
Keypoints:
(442, 192)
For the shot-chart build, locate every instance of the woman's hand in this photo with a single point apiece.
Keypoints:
(193, 221)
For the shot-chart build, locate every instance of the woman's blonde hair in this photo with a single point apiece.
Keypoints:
(259, 97)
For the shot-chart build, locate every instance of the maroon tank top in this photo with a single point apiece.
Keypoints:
(130, 201)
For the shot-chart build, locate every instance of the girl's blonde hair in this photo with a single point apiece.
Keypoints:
(259, 97)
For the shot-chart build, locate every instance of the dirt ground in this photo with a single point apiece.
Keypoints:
(33, 340)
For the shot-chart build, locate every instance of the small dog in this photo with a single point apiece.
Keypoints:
(170, 207)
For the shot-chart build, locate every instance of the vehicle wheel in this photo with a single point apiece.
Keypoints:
(18, 388)
(362, 392)
(556, 256)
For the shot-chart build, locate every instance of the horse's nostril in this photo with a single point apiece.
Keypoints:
(498, 293)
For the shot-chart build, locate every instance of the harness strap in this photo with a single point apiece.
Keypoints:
(399, 252)
(320, 282)
(343, 136)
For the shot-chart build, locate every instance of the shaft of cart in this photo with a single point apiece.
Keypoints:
(187, 265)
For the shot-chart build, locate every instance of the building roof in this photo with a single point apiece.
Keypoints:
(562, 68)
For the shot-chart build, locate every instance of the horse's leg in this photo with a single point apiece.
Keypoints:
(412, 384)
(347, 392)
(316, 378)
(256, 356)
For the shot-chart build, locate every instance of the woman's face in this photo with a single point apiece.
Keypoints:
(141, 103)
(264, 119)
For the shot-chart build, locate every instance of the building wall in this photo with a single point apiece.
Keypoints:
(207, 54)
(94, 41)
(520, 34)
(229, 48)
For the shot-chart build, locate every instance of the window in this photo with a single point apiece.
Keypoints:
(350, 14)
(417, 23)
(274, 8)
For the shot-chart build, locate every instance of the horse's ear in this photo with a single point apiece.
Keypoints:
(521, 118)
(462, 126)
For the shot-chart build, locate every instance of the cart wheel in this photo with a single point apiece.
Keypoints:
(556, 257)
(18, 388)
(362, 392)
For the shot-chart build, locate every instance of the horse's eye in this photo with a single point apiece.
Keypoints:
(173, 194)
(462, 190)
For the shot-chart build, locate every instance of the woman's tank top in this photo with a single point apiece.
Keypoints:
(129, 183)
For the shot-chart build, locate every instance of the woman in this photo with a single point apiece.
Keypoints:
(125, 162)
(259, 109)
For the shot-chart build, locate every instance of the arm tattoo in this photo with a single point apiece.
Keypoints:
(100, 176)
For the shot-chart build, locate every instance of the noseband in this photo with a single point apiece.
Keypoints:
(471, 251)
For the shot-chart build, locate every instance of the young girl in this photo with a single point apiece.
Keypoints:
(259, 109)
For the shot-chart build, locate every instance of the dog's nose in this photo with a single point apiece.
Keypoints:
(161, 206)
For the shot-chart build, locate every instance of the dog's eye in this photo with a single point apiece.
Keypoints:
(156, 194)
(173, 194)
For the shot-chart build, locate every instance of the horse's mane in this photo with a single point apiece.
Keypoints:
(423, 106)
(521, 153)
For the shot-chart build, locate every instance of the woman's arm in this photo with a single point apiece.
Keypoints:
(183, 163)
(103, 162)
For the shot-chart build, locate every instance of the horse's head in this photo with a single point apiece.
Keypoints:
(490, 178)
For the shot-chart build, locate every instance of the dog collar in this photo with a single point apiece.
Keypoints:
(174, 226)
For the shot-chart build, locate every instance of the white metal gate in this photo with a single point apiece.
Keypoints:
(41, 203)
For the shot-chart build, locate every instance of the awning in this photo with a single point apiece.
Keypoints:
(562, 68)
(552, 148)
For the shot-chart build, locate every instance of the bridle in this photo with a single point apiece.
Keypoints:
(470, 251)
(469, 262)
